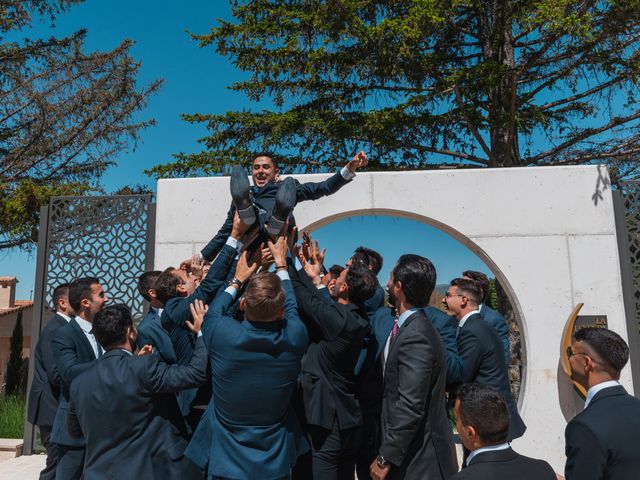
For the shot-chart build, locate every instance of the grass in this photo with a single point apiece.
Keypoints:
(11, 417)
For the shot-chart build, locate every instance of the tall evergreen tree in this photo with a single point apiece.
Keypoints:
(428, 83)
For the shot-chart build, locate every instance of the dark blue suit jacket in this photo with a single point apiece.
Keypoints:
(131, 422)
(176, 312)
(45, 388)
(602, 441)
(482, 356)
(151, 332)
(250, 429)
(73, 355)
(497, 321)
(265, 198)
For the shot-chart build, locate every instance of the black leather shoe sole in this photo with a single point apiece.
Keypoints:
(239, 187)
(285, 201)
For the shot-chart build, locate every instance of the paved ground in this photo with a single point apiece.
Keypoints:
(21, 468)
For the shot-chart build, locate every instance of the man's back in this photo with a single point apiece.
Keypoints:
(255, 365)
(505, 465)
(601, 442)
(151, 332)
(482, 355)
(132, 430)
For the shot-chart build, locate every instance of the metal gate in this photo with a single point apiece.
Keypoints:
(108, 237)
(627, 211)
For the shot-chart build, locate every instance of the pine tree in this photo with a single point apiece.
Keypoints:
(13, 385)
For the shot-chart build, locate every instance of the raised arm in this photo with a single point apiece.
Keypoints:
(315, 190)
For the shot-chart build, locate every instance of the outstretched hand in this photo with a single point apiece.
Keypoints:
(358, 161)
(247, 264)
(146, 350)
(198, 311)
(278, 250)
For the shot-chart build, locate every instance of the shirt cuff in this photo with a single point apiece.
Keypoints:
(232, 242)
(283, 274)
(346, 173)
(297, 264)
(232, 291)
(199, 333)
(321, 286)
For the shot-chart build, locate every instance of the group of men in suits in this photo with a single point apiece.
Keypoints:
(300, 372)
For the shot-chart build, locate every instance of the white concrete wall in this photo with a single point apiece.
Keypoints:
(538, 229)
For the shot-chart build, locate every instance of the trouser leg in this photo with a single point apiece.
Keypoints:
(333, 452)
(49, 472)
(70, 463)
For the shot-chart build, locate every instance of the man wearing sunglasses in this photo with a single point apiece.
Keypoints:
(480, 347)
(602, 441)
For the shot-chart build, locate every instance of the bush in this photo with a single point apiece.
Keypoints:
(12, 417)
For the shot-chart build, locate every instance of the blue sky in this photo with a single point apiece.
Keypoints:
(195, 80)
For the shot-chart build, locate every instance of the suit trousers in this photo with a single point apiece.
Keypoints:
(369, 443)
(333, 452)
(70, 463)
(49, 472)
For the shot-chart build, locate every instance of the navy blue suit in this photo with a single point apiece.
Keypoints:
(374, 303)
(45, 392)
(264, 198)
(497, 321)
(131, 422)
(602, 441)
(482, 356)
(151, 332)
(250, 429)
(176, 312)
(73, 354)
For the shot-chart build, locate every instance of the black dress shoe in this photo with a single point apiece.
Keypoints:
(239, 187)
(285, 201)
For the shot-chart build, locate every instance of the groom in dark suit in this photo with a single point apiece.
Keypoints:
(482, 421)
(123, 407)
(74, 349)
(45, 388)
(417, 442)
(602, 441)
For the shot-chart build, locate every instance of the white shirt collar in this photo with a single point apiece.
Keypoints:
(596, 388)
(84, 325)
(66, 317)
(464, 319)
(158, 310)
(491, 448)
(480, 307)
(406, 314)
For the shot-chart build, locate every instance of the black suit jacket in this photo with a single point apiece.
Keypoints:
(327, 379)
(265, 199)
(482, 354)
(505, 465)
(416, 433)
(45, 387)
(131, 422)
(602, 441)
(73, 354)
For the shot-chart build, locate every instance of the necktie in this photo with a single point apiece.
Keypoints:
(394, 330)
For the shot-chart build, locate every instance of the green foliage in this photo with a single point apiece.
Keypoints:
(64, 116)
(12, 417)
(13, 379)
(427, 84)
(492, 298)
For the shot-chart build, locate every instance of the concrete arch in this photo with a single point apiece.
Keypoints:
(547, 233)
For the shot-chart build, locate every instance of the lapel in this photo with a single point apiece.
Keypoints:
(496, 456)
(418, 314)
(82, 338)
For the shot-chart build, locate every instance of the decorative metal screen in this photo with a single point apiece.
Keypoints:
(104, 237)
(631, 199)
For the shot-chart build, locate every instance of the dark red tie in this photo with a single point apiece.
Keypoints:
(394, 330)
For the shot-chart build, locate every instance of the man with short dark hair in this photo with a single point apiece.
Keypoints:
(45, 387)
(150, 330)
(74, 349)
(491, 316)
(250, 429)
(124, 408)
(258, 202)
(373, 261)
(480, 347)
(482, 421)
(417, 442)
(337, 327)
(602, 441)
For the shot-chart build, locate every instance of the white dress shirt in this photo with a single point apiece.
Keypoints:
(492, 448)
(67, 318)
(86, 328)
(596, 388)
(401, 319)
